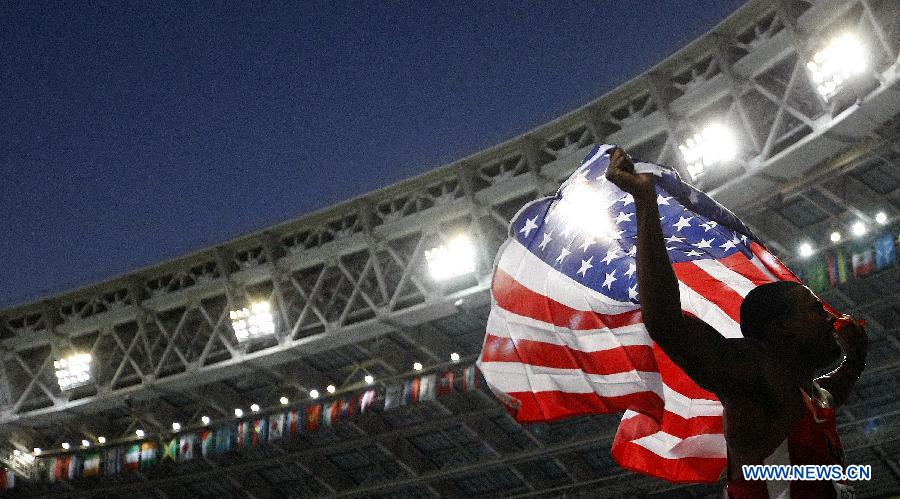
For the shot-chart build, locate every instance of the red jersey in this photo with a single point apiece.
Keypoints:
(813, 440)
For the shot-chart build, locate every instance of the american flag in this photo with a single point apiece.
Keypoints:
(565, 335)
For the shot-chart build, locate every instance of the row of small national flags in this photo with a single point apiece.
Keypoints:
(258, 430)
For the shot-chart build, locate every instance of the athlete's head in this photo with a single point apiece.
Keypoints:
(789, 315)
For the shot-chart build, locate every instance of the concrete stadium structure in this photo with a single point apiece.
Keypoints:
(351, 294)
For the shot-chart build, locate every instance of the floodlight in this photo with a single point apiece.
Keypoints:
(806, 250)
(417, 366)
(37, 451)
(453, 259)
(254, 322)
(65, 445)
(238, 413)
(101, 440)
(284, 400)
(454, 357)
(330, 388)
(204, 420)
(85, 443)
(584, 210)
(254, 407)
(369, 379)
(835, 237)
(314, 393)
(73, 371)
(139, 433)
(881, 218)
(831, 67)
(17, 452)
(859, 229)
(176, 426)
(714, 144)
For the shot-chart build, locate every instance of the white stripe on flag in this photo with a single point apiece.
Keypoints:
(710, 313)
(505, 324)
(740, 284)
(672, 447)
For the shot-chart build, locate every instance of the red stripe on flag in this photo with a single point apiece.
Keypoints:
(772, 263)
(710, 288)
(676, 379)
(739, 263)
(516, 298)
(537, 353)
(553, 405)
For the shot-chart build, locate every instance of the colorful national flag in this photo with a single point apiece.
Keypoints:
(244, 432)
(92, 464)
(59, 469)
(294, 425)
(366, 400)
(170, 449)
(112, 461)
(313, 414)
(445, 383)
(331, 411)
(222, 440)
(411, 391)
(149, 451)
(74, 470)
(816, 274)
(206, 442)
(392, 396)
(186, 444)
(347, 407)
(565, 335)
(838, 267)
(133, 457)
(469, 379)
(276, 426)
(885, 254)
(7, 479)
(863, 262)
(427, 388)
(260, 431)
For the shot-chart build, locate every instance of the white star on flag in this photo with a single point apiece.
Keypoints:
(682, 223)
(674, 239)
(588, 241)
(610, 278)
(611, 255)
(662, 200)
(704, 243)
(631, 269)
(624, 217)
(694, 253)
(632, 292)
(708, 225)
(545, 241)
(529, 226)
(728, 245)
(585, 265)
(563, 254)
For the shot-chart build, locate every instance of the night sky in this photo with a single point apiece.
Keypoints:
(135, 132)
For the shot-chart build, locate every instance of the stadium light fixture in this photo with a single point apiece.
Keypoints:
(881, 218)
(330, 388)
(176, 426)
(454, 357)
(65, 445)
(284, 400)
(139, 433)
(453, 259)
(314, 393)
(85, 443)
(254, 322)
(417, 366)
(73, 371)
(369, 379)
(806, 250)
(830, 68)
(835, 237)
(205, 420)
(254, 407)
(238, 413)
(712, 145)
(859, 229)
(101, 440)
(37, 451)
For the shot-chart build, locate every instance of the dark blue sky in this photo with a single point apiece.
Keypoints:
(134, 132)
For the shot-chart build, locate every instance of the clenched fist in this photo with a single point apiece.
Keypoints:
(621, 172)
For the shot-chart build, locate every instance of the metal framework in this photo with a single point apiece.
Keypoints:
(351, 294)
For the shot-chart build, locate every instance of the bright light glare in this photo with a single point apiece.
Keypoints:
(254, 407)
(454, 357)
(73, 371)
(253, 322)
(714, 144)
(417, 366)
(369, 379)
(881, 217)
(453, 259)
(139, 433)
(859, 229)
(238, 413)
(835, 237)
(586, 211)
(330, 388)
(204, 420)
(85, 443)
(831, 67)
(176, 426)
(101, 440)
(314, 393)
(65, 445)
(806, 250)
(284, 400)
(37, 450)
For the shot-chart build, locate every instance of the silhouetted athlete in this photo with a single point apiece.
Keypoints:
(776, 410)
